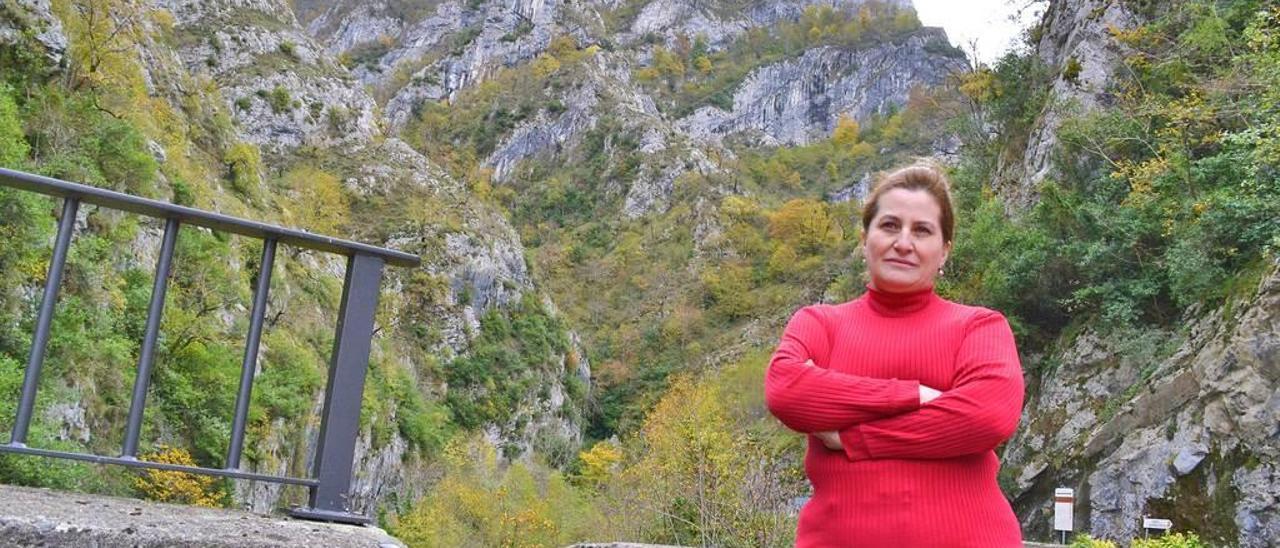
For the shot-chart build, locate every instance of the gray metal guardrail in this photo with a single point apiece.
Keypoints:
(330, 482)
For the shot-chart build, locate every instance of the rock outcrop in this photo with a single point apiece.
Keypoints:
(34, 17)
(290, 97)
(1076, 35)
(430, 53)
(1178, 426)
(720, 22)
(800, 100)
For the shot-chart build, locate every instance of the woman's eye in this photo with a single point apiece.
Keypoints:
(923, 231)
(889, 225)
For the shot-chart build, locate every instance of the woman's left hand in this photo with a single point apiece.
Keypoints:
(831, 440)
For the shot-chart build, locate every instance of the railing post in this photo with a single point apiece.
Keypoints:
(340, 418)
(250, 362)
(146, 355)
(39, 341)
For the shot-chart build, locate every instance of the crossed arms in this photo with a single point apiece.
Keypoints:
(884, 418)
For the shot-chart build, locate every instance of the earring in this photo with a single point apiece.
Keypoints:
(940, 272)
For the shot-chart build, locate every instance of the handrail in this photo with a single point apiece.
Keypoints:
(330, 485)
(192, 216)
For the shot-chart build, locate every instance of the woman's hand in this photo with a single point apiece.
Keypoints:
(831, 440)
(928, 394)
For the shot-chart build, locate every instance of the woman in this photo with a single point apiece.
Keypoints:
(904, 395)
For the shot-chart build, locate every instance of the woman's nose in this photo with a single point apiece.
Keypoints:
(902, 243)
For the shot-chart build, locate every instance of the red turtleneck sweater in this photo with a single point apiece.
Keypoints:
(910, 474)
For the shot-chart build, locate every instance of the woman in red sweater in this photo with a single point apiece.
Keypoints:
(904, 395)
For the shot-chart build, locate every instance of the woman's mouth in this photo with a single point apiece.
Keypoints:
(901, 262)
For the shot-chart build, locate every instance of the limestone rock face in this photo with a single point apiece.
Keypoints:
(719, 23)
(438, 48)
(798, 101)
(1076, 34)
(1153, 422)
(430, 53)
(289, 95)
(35, 17)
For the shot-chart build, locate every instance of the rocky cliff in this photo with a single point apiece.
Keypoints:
(1179, 422)
(1180, 425)
(289, 99)
(1078, 48)
(798, 101)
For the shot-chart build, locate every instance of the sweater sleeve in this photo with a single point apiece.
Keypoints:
(978, 413)
(812, 398)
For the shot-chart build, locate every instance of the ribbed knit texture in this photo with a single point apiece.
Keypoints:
(910, 475)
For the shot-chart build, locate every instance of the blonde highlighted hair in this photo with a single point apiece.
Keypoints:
(923, 175)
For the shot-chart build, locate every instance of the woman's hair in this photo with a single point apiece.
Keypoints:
(921, 176)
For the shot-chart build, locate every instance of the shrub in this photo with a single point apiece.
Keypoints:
(174, 486)
(1170, 540)
(13, 144)
(123, 157)
(245, 165)
(279, 100)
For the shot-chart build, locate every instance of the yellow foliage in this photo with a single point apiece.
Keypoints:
(862, 151)
(600, 463)
(783, 261)
(739, 208)
(480, 503)
(647, 74)
(103, 38)
(703, 64)
(164, 18)
(979, 85)
(731, 287)
(668, 65)
(245, 164)
(545, 65)
(173, 486)
(1141, 176)
(481, 179)
(805, 225)
(846, 132)
(562, 45)
(314, 200)
(700, 473)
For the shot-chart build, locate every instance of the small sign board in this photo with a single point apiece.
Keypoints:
(1064, 500)
(1156, 523)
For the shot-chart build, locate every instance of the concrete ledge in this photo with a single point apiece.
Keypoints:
(43, 517)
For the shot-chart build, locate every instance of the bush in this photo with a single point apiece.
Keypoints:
(1170, 540)
(1086, 541)
(290, 377)
(279, 100)
(174, 486)
(245, 165)
(481, 503)
(13, 143)
(123, 157)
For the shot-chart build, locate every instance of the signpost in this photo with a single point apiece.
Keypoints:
(1149, 524)
(1064, 500)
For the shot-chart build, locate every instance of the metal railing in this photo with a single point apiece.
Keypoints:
(340, 417)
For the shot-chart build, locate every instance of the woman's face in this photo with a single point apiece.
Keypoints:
(903, 245)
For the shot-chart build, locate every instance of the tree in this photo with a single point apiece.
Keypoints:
(805, 225)
(846, 133)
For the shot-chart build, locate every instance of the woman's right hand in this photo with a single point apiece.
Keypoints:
(928, 394)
